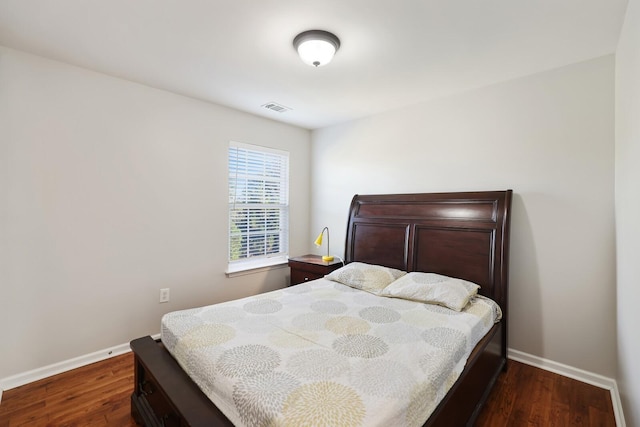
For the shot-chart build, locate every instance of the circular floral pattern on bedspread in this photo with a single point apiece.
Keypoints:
(344, 288)
(379, 314)
(398, 333)
(478, 307)
(421, 403)
(323, 404)
(298, 362)
(284, 339)
(399, 303)
(329, 307)
(204, 360)
(383, 378)
(365, 346)
(247, 360)
(263, 306)
(221, 314)
(175, 325)
(447, 339)
(366, 299)
(298, 289)
(418, 318)
(347, 325)
(436, 366)
(259, 398)
(204, 336)
(259, 324)
(317, 364)
(310, 321)
(326, 292)
(441, 310)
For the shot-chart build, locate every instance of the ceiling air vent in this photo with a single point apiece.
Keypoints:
(276, 107)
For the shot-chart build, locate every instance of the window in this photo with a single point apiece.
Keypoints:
(258, 206)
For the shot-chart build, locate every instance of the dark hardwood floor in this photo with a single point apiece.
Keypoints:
(94, 395)
(98, 395)
(528, 396)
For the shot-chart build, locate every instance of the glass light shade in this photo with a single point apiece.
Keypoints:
(316, 52)
(316, 47)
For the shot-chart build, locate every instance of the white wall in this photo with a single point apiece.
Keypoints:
(109, 191)
(549, 137)
(628, 211)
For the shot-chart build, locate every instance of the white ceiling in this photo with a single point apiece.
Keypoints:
(239, 53)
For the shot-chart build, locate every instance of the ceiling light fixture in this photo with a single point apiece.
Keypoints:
(316, 47)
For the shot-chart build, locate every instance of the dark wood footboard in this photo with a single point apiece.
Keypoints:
(164, 395)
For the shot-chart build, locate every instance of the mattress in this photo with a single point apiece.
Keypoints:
(325, 354)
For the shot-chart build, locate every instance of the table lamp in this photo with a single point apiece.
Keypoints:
(318, 242)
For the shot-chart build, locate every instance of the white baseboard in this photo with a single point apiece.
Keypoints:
(64, 366)
(577, 374)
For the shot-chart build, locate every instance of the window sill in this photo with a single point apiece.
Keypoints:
(253, 267)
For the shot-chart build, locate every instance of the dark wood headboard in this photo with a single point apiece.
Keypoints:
(464, 235)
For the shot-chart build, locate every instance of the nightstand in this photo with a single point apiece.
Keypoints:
(311, 267)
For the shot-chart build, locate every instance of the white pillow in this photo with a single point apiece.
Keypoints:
(367, 277)
(432, 288)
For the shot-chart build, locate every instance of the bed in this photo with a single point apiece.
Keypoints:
(462, 235)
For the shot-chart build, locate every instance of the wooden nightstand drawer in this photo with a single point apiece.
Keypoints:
(310, 267)
(299, 276)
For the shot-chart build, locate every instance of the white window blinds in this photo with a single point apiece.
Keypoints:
(258, 205)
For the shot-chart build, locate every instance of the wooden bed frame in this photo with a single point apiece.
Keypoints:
(464, 235)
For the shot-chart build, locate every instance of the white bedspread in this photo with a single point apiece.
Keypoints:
(324, 354)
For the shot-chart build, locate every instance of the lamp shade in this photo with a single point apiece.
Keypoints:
(316, 47)
(318, 242)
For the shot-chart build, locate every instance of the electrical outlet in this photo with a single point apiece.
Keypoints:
(164, 295)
